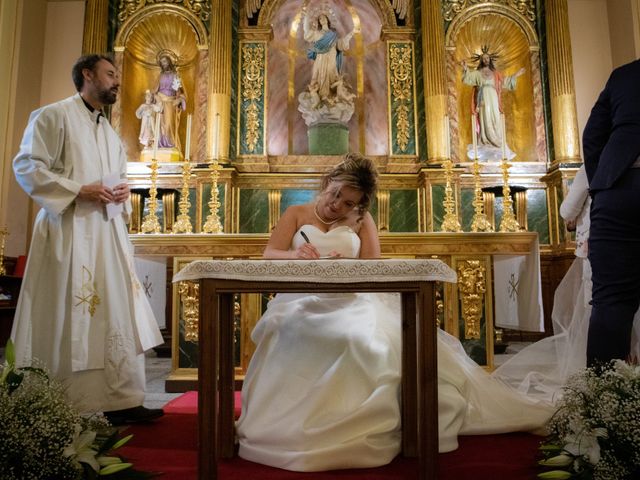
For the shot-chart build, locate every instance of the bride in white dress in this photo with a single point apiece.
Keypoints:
(322, 389)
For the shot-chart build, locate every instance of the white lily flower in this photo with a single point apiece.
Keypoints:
(584, 445)
(103, 461)
(115, 468)
(80, 451)
(562, 460)
(600, 432)
(555, 474)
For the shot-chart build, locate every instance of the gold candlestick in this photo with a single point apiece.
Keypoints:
(480, 222)
(508, 222)
(450, 222)
(150, 223)
(183, 223)
(212, 225)
(3, 233)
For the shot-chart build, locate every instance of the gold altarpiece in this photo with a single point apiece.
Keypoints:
(243, 66)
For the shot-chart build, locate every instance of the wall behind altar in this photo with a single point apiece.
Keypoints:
(62, 47)
(42, 39)
(604, 33)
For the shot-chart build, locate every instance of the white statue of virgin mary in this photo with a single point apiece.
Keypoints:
(328, 96)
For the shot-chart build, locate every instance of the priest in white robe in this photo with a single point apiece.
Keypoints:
(82, 311)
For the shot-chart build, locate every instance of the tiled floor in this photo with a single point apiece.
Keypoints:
(157, 370)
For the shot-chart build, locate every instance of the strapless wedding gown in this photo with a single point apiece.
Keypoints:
(322, 389)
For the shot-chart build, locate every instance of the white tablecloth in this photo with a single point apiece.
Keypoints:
(320, 271)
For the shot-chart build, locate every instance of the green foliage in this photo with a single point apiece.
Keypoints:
(43, 437)
(595, 433)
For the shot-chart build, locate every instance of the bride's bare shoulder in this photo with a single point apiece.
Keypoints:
(298, 211)
(298, 214)
(301, 207)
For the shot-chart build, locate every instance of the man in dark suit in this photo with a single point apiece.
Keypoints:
(611, 143)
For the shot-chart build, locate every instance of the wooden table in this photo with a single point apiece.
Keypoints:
(221, 279)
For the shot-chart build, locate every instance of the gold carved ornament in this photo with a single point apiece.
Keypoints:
(190, 298)
(252, 87)
(402, 91)
(200, 8)
(452, 8)
(472, 287)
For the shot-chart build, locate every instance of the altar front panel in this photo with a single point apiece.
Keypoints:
(465, 311)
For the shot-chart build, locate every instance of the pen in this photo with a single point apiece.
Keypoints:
(304, 235)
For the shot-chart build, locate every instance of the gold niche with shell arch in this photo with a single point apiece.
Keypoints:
(141, 40)
(513, 47)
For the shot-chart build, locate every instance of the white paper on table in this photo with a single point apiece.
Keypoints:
(113, 209)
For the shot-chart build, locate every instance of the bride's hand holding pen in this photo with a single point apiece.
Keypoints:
(306, 251)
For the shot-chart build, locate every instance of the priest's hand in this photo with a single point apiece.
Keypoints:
(96, 192)
(121, 193)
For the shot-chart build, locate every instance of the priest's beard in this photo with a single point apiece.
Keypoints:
(107, 96)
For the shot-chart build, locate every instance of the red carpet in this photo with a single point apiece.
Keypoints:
(169, 445)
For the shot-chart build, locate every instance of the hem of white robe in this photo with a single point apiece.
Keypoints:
(338, 457)
(89, 390)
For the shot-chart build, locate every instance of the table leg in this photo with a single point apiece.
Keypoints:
(409, 376)
(427, 383)
(208, 335)
(226, 432)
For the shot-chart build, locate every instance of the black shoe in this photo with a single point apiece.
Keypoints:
(133, 415)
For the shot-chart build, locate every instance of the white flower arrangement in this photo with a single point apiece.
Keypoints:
(595, 433)
(44, 438)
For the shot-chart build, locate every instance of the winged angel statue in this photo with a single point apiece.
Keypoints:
(328, 97)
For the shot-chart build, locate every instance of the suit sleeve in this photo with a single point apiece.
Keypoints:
(597, 131)
(39, 164)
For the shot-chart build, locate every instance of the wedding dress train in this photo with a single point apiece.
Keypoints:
(322, 389)
(541, 369)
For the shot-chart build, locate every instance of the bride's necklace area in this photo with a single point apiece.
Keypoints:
(322, 220)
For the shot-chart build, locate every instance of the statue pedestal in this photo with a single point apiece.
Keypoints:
(328, 139)
(165, 155)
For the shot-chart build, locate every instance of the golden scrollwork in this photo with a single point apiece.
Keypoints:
(452, 8)
(200, 8)
(128, 8)
(472, 286)
(401, 78)
(190, 297)
(252, 91)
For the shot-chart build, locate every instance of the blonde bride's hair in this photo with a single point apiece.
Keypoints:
(355, 171)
